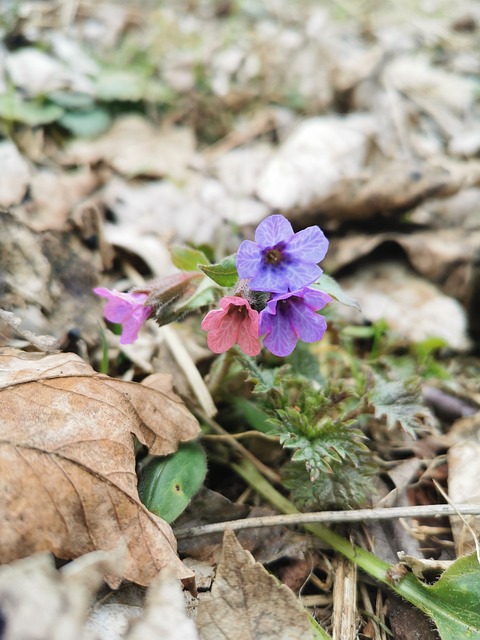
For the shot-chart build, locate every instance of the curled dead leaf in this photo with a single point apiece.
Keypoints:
(247, 602)
(67, 458)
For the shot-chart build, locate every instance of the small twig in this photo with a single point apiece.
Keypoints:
(355, 515)
(243, 434)
(267, 472)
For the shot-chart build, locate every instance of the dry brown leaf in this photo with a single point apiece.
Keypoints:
(464, 479)
(44, 343)
(68, 461)
(14, 176)
(134, 147)
(411, 305)
(55, 194)
(247, 602)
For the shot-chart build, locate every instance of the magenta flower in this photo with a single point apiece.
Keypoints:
(280, 260)
(127, 309)
(234, 322)
(292, 316)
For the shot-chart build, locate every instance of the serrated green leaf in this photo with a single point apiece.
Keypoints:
(14, 109)
(187, 258)
(223, 273)
(329, 285)
(399, 402)
(168, 483)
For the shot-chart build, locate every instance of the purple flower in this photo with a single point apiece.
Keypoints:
(292, 316)
(127, 309)
(280, 260)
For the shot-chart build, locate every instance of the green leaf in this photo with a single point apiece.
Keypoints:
(187, 258)
(399, 402)
(14, 109)
(86, 123)
(121, 85)
(72, 99)
(223, 273)
(329, 285)
(455, 600)
(168, 483)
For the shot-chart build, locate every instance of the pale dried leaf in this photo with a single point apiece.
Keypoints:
(164, 615)
(134, 147)
(44, 343)
(110, 621)
(37, 73)
(464, 480)
(310, 164)
(412, 306)
(14, 176)
(69, 466)
(55, 194)
(247, 602)
(41, 603)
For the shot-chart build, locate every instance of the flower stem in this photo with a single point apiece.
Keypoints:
(408, 587)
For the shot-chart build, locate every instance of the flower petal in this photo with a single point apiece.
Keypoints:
(272, 278)
(249, 259)
(309, 245)
(225, 336)
(273, 230)
(315, 298)
(132, 324)
(301, 274)
(309, 326)
(248, 339)
(212, 320)
(281, 337)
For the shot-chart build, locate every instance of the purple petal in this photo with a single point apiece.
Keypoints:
(272, 278)
(249, 259)
(316, 299)
(281, 338)
(132, 324)
(310, 245)
(309, 326)
(301, 274)
(273, 230)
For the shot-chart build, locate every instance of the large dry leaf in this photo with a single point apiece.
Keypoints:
(464, 479)
(412, 306)
(41, 603)
(247, 602)
(68, 462)
(134, 147)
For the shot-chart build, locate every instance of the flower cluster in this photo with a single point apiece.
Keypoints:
(283, 264)
(273, 299)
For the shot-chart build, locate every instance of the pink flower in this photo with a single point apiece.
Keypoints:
(234, 322)
(127, 309)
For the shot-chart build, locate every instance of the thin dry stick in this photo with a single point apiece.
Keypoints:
(355, 515)
(267, 472)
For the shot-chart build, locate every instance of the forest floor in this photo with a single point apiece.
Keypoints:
(139, 139)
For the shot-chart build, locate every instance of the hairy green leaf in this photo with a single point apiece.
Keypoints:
(187, 258)
(223, 273)
(329, 285)
(399, 402)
